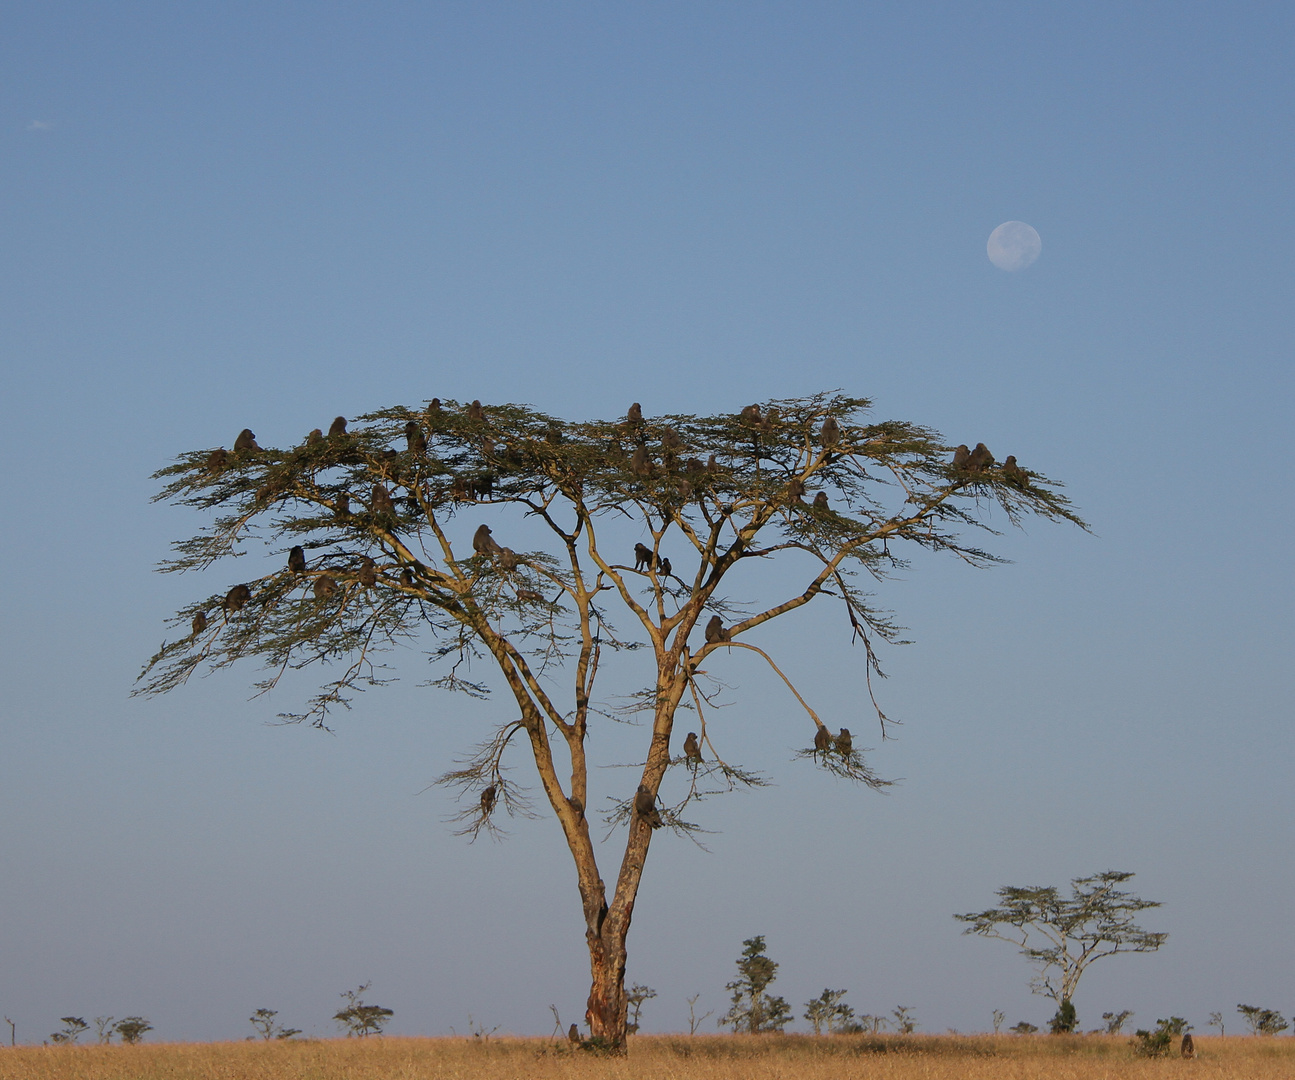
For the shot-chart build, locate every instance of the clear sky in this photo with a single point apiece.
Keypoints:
(264, 214)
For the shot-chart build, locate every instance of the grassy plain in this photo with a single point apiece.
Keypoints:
(660, 1057)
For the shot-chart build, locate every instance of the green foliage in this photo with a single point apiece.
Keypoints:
(1115, 1021)
(1061, 936)
(269, 1028)
(829, 1012)
(905, 1024)
(635, 996)
(358, 1019)
(1065, 1020)
(73, 1028)
(1262, 1021)
(753, 1009)
(1024, 1028)
(1159, 1043)
(132, 1028)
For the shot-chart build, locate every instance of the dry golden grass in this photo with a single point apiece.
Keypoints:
(661, 1057)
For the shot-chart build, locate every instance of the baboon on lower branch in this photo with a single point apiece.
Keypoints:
(541, 630)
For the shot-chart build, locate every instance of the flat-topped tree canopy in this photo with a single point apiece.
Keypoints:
(372, 506)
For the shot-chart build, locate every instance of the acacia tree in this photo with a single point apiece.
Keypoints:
(1062, 935)
(381, 556)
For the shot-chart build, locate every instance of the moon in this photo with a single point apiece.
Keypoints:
(1013, 246)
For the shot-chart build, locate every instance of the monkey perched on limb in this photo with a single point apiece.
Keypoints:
(237, 597)
(960, 456)
(380, 501)
(645, 807)
(199, 623)
(691, 749)
(245, 441)
(716, 631)
(844, 743)
(980, 458)
(415, 439)
(1013, 472)
(663, 567)
(485, 544)
(508, 559)
(830, 434)
(368, 573)
(820, 501)
(315, 437)
(796, 490)
(475, 411)
(325, 587)
(342, 507)
(488, 799)
(297, 560)
(635, 414)
(337, 427)
(217, 460)
(640, 464)
(643, 558)
(822, 740)
(750, 415)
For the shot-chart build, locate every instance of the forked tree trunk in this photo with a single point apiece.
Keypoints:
(606, 1012)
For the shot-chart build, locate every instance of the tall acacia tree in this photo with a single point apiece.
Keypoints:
(382, 556)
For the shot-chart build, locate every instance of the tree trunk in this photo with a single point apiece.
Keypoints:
(605, 1013)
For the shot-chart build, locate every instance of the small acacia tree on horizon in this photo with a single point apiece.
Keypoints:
(381, 556)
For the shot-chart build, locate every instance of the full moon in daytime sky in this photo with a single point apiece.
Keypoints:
(1014, 245)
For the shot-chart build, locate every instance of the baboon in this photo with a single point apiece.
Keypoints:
(434, 408)
(960, 456)
(820, 501)
(488, 447)
(217, 460)
(325, 587)
(199, 623)
(508, 559)
(643, 557)
(1188, 1048)
(750, 415)
(337, 427)
(483, 543)
(407, 578)
(380, 502)
(716, 631)
(529, 596)
(684, 488)
(663, 567)
(670, 439)
(237, 597)
(691, 750)
(693, 465)
(796, 490)
(711, 464)
(573, 1032)
(578, 807)
(475, 411)
(297, 560)
(830, 434)
(245, 441)
(822, 740)
(342, 507)
(640, 465)
(488, 800)
(844, 743)
(415, 439)
(368, 573)
(484, 485)
(315, 437)
(645, 807)
(1013, 472)
(980, 458)
(771, 419)
(634, 416)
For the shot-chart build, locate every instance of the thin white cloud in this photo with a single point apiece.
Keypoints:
(40, 125)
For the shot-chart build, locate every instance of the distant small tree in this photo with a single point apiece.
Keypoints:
(1115, 1021)
(73, 1028)
(905, 1024)
(1216, 1020)
(1072, 932)
(754, 1009)
(1262, 1021)
(695, 1021)
(103, 1029)
(358, 1019)
(132, 1028)
(829, 1012)
(1024, 1028)
(873, 1024)
(634, 998)
(998, 1017)
(1065, 1019)
(268, 1028)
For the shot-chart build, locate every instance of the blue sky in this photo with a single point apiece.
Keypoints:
(218, 216)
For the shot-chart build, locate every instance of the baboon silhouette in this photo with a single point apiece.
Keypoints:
(634, 416)
(643, 558)
(716, 631)
(960, 456)
(475, 411)
(217, 460)
(368, 573)
(820, 501)
(573, 1032)
(380, 501)
(796, 490)
(1188, 1047)
(488, 799)
(297, 559)
(1013, 471)
(415, 439)
(844, 743)
(325, 587)
(245, 441)
(315, 437)
(822, 740)
(830, 435)
(237, 597)
(980, 458)
(690, 748)
(645, 807)
(199, 623)
(483, 543)
(640, 464)
(750, 415)
(337, 427)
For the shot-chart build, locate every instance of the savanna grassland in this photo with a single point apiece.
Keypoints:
(662, 1057)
